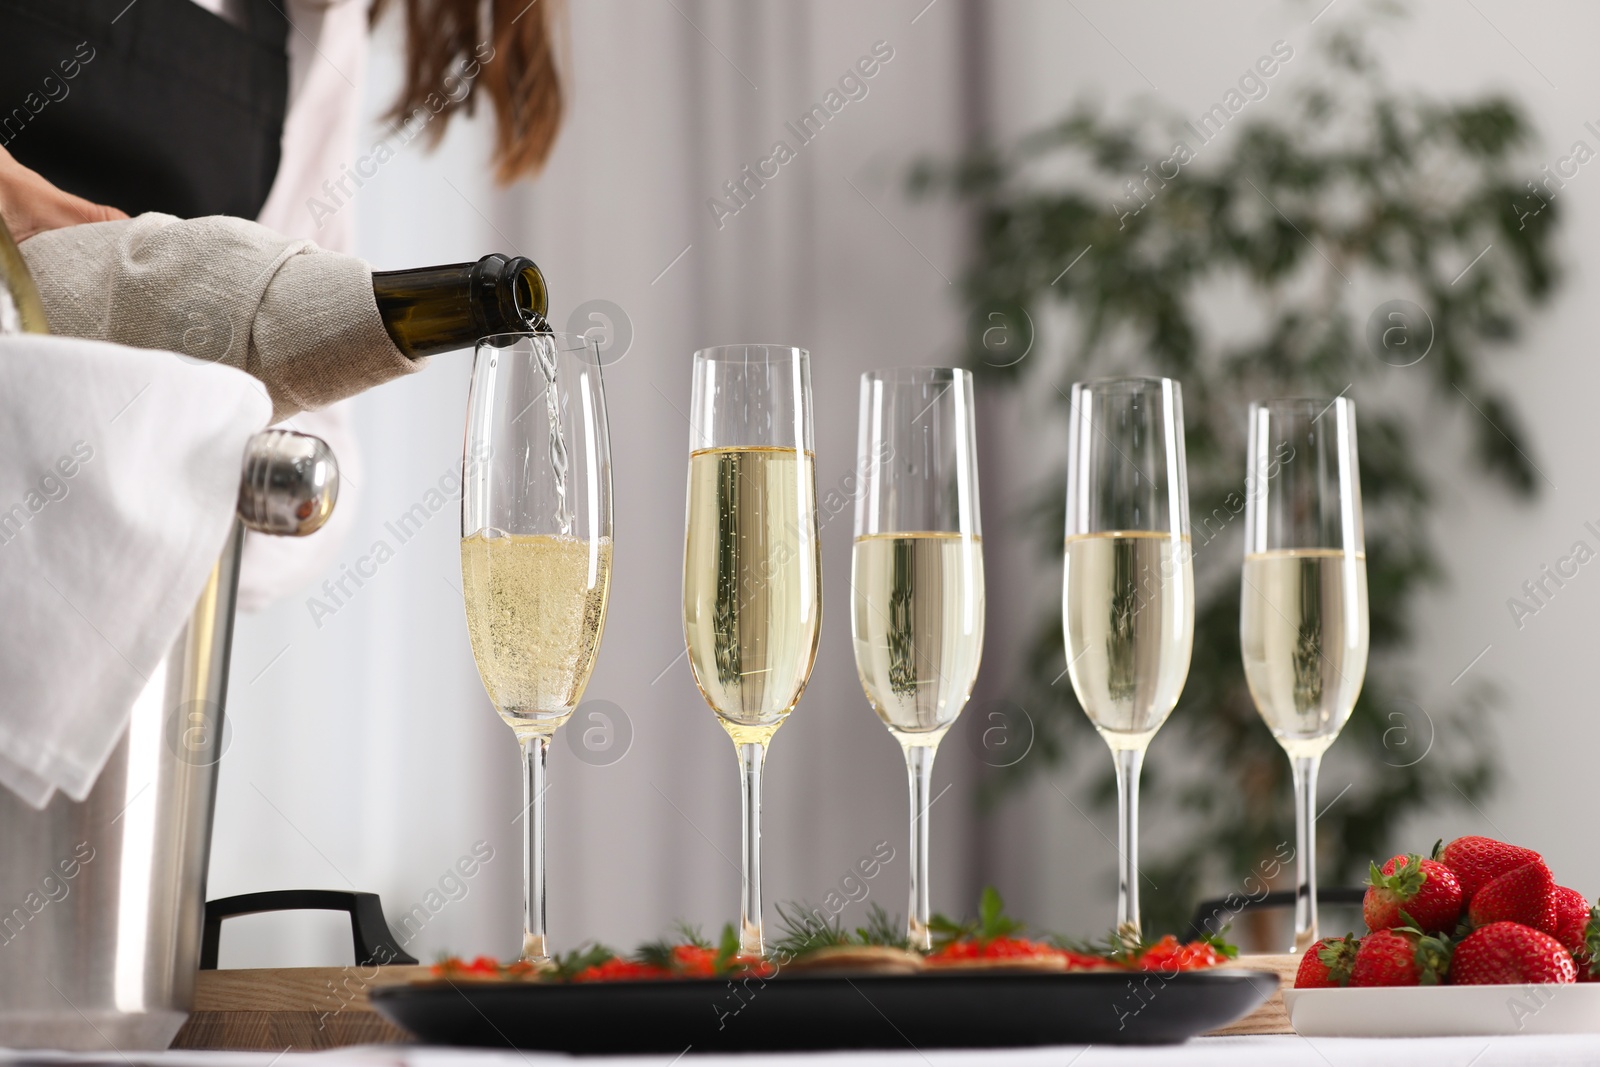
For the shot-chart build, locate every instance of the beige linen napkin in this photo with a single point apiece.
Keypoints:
(300, 319)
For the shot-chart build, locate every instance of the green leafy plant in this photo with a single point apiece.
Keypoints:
(992, 922)
(1260, 269)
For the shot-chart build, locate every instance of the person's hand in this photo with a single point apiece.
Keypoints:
(31, 205)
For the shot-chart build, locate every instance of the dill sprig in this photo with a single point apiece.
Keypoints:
(805, 929)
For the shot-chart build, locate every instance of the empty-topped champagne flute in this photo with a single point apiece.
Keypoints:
(752, 581)
(1303, 604)
(536, 552)
(917, 575)
(1127, 596)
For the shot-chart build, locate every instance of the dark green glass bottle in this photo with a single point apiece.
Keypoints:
(436, 309)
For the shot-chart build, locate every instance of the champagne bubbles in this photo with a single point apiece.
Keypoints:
(1400, 332)
(599, 733)
(607, 327)
(999, 732)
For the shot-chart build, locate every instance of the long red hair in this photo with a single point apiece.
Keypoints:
(521, 80)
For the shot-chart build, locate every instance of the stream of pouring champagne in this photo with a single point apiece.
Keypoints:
(428, 310)
(544, 346)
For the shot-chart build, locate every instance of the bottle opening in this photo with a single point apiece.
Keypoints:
(529, 292)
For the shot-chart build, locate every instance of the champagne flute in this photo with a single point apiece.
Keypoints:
(917, 576)
(1127, 597)
(752, 581)
(536, 552)
(1303, 605)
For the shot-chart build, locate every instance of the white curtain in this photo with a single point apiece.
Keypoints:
(363, 751)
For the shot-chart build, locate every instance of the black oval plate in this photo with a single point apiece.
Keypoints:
(795, 1012)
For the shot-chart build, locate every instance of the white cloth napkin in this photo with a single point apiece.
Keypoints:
(119, 477)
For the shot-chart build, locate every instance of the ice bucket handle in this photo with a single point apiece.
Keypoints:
(369, 930)
(288, 484)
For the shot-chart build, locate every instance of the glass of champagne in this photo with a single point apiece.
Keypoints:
(1127, 596)
(917, 575)
(752, 581)
(1303, 605)
(536, 552)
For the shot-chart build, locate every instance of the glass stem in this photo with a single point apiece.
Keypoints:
(919, 769)
(752, 757)
(1305, 828)
(535, 749)
(1129, 762)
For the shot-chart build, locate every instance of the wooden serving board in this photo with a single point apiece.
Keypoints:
(1271, 1017)
(290, 1008)
(306, 1008)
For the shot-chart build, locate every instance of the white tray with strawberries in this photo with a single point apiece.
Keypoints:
(1476, 940)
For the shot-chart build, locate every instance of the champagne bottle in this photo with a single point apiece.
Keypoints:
(436, 309)
(20, 310)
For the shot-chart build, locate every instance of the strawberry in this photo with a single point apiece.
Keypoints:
(1519, 896)
(1477, 860)
(1327, 963)
(1401, 956)
(1569, 913)
(1412, 891)
(1508, 953)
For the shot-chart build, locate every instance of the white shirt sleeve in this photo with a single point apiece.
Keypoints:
(327, 70)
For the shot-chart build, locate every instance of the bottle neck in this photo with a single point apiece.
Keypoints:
(436, 309)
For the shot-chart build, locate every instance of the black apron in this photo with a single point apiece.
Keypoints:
(154, 105)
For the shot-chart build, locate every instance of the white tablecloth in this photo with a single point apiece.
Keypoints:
(1274, 1051)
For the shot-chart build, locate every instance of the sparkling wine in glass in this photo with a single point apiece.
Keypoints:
(917, 575)
(536, 552)
(752, 582)
(1127, 599)
(1303, 604)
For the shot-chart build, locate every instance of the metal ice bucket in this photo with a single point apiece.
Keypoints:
(101, 902)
